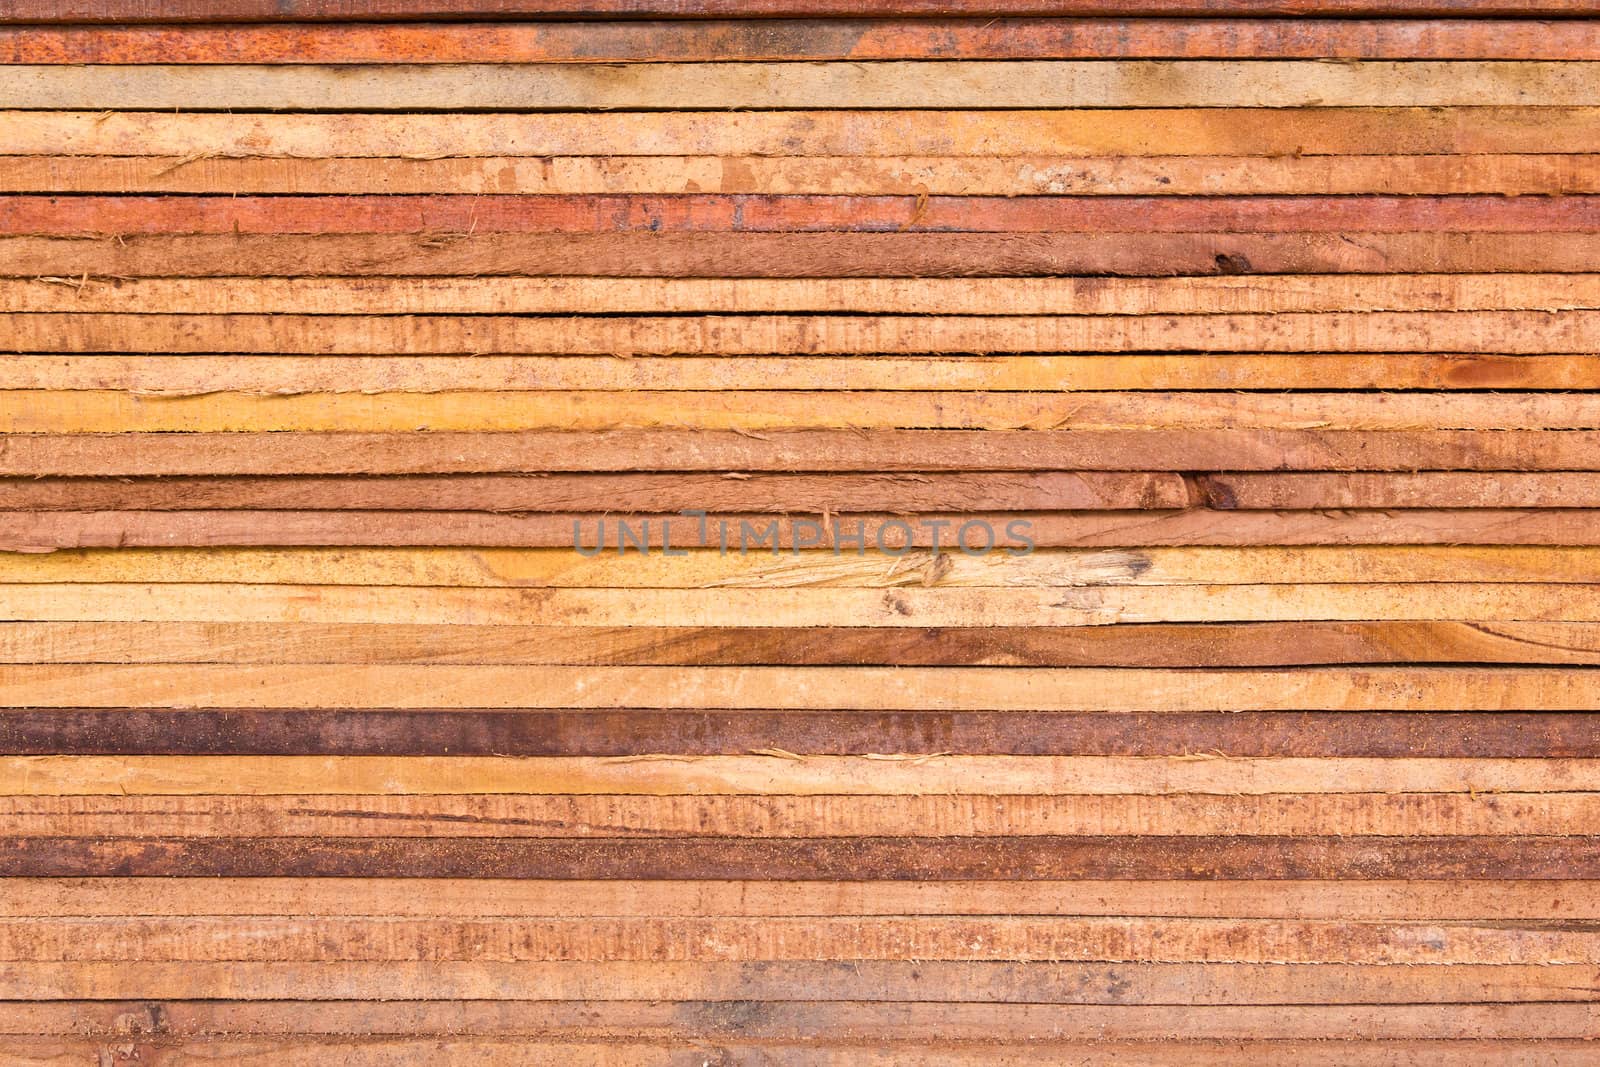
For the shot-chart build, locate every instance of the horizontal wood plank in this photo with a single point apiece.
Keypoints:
(887, 84)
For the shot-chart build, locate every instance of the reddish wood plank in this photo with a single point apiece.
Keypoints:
(691, 213)
(812, 39)
(272, 10)
(244, 731)
(821, 859)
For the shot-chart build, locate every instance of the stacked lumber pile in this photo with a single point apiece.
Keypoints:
(1114, 500)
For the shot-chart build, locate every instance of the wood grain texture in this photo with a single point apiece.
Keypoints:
(130, 215)
(154, 374)
(812, 568)
(803, 607)
(1123, 645)
(1408, 899)
(1128, 134)
(785, 688)
(344, 452)
(1516, 332)
(724, 86)
(795, 255)
(905, 296)
(926, 981)
(728, 40)
(898, 534)
(551, 1025)
(636, 733)
(602, 1051)
(113, 11)
(1525, 174)
(1022, 859)
(681, 532)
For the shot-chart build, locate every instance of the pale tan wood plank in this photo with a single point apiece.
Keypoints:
(782, 775)
(891, 84)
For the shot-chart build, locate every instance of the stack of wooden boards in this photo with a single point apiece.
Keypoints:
(1274, 338)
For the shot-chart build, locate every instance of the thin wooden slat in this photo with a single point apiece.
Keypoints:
(799, 688)
(939, 859)
(796, 255)
(630, 733)
(284, 374)
(29, 455)
(100, 412)
(94, 11)
(814, 937)
(378, 1052)
(1408, 899)
(811, 39)
(649, 493)
(812, 568)
(1014, 532)
(1511, 175)
(1131, 133)
(669, 819)
(1130, 645)
(1515, 332)
(792, 607)
(784, 775)
(1431, 490)
(888, 84)
(896, 1025)
(926, 981)
(900, 296)
(700, 213)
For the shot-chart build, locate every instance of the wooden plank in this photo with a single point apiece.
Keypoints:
(471, 732)
(552, 1021)
(887, 84)
(94, 11)
(192, 374)
(1125, 132)
(470, 568)
(799, 688)
(900, 296)
(795, 255)
(938, 859)
(814, 937)
(28, 455)
(549, 1024)
(706, 213)
(811, 39)
(52, 531)
(797, 607)
(1511, 175)
(370, 1052)
(785, 775)
(672, 818)
(99, 412)
(1431, 490)
(1075, 490)
(926, 981)
(1125, 645)
(1493, 332)
(1352, 901)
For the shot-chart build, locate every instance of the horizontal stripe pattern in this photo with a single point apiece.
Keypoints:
(666, 532)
